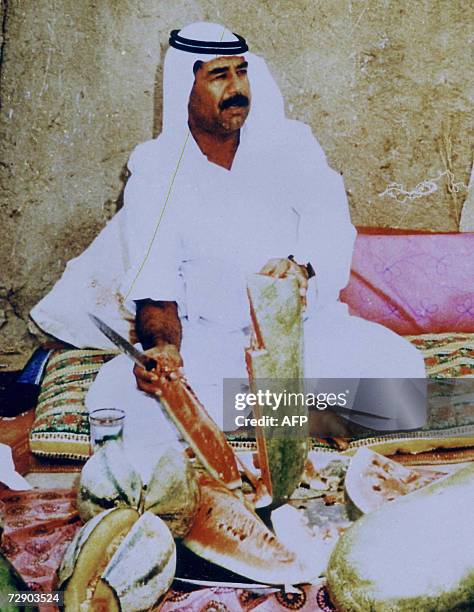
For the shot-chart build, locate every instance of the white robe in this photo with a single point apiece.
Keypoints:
(228, 224)
(191, 231)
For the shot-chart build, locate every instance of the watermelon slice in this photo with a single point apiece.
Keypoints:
(373, 480)
(199, 430)
(226, 532)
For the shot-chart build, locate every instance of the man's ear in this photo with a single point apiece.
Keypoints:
(197, 65)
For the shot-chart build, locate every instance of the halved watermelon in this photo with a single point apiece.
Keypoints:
(412, 555)
(373, 480)
(119, 561)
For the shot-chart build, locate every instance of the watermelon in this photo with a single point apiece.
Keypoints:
(119, 561)
(415, 553)
(108, 480)
(173, 492)
(275, 362)
(372, 480)
(229, 534)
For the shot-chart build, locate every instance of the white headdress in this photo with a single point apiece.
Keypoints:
(178, 78)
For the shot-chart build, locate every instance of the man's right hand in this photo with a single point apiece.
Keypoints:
(283, 268)
(168, 360)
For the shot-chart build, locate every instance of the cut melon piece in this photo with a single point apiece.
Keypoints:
(85, 559)
(373, 480)
(109, 480)
(143, 567)
(414, 554)
(173, 492)
(228, 534)
(119, 561)
(104, 599)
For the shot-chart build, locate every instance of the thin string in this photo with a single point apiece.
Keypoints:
(168, 194)
(160, 218)
(425, 188)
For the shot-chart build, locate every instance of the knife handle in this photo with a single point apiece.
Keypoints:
(309, 268)
(150, 364)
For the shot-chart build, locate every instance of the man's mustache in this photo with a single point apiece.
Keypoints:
(236, 100)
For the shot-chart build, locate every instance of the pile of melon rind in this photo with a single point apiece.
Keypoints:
(109, 480)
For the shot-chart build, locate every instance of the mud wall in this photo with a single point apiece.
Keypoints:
(384, 84)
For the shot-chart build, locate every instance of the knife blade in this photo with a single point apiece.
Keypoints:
(124, 345)
(354, 412)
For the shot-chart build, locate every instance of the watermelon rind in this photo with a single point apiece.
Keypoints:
(373, 480)
(415, 553)
(360, 498)
(108, 480)
(143, 566)
(277, 363)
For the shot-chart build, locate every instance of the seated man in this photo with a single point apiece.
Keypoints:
(229, 188)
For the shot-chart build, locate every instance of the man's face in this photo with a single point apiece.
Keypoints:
(220, 98)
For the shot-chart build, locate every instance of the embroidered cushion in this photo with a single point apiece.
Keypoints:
(61, 425)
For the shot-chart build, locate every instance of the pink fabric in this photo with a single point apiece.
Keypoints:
(413, 283)
(310, 598)
(38, 526)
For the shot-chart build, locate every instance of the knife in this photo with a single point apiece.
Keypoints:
(126, 347)
(188, 414)
(352, 411)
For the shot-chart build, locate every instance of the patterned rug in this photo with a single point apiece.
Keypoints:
(446, 355)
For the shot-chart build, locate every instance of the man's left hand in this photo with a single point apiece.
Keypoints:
(283, 268)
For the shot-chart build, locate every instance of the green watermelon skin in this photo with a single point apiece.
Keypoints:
(277, 314)
(286, 459)
(108, 480)
(415, 554)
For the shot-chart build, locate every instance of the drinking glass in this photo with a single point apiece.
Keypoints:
(106, 424)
